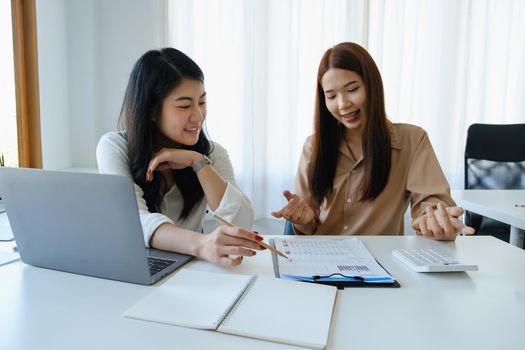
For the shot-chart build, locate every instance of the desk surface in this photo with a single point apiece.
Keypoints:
(496, 204)
(45, 309)
(5, 227)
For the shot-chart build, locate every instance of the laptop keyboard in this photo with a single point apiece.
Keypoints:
(157, 264)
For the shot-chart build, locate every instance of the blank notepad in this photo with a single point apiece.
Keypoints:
(286, 311)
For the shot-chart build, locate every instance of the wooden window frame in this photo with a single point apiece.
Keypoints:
(25, 54)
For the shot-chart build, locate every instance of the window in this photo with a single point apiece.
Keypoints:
(260, 63)
(8, 128)
(19, 103)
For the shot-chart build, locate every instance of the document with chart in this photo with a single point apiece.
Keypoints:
(344, 261)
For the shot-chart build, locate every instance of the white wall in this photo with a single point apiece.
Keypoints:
(86, 50)
(54, 98)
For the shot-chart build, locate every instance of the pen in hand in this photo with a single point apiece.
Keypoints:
(227, 223)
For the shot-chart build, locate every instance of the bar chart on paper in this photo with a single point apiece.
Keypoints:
(328, 260)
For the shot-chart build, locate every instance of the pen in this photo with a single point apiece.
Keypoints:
(227, 223)
(519, 205)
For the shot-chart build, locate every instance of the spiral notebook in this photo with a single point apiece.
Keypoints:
(246, 305)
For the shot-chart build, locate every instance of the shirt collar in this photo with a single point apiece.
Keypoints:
(394, 141)
(394, 137)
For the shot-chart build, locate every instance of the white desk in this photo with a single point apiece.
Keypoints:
(44, 309)
(5, 227)
(498, 205)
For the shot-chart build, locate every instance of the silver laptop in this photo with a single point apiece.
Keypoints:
(82, 223)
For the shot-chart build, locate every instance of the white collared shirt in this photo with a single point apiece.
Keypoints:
(112, 158)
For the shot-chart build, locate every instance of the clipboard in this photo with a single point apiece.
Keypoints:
(340, 283)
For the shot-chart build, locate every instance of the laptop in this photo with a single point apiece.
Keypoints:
(83, 223)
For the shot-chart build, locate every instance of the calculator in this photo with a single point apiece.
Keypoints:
(431, 260)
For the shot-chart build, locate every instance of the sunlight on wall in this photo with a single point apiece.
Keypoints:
(8, 137)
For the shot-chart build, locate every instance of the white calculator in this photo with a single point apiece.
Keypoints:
(431, 260)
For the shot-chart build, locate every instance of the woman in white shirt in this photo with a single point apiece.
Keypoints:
(178, 173)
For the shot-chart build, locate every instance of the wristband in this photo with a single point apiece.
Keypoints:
(201, 163)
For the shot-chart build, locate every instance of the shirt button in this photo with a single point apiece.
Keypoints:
(349, 200)
(345, 228)
(353, 171)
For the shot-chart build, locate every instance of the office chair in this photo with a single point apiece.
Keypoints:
(288, 228)
(494, 159)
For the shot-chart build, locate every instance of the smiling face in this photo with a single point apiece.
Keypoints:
(183, 112)
(345, 97)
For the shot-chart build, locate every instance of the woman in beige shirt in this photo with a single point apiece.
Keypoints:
(359, 172)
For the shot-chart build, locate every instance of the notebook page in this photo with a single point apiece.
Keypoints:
(283, 311)
(191, 298)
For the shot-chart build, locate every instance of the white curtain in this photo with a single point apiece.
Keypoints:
(260, 62)
(445, 64)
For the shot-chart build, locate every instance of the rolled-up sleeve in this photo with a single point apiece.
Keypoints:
(426, 182)
(112, 158)
(234, 206)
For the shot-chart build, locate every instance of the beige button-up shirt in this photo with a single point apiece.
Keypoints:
(415, 178)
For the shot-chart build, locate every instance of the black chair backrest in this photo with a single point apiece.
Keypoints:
(495, 156)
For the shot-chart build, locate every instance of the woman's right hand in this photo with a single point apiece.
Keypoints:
(217, 246)
(297, 210)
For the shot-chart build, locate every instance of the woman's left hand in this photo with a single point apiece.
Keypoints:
(171, 158)
(441, 223)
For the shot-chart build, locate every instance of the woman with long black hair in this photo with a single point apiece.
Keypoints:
(359, 172)
(178, 173)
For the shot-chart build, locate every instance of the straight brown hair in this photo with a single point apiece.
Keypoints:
(328, 133)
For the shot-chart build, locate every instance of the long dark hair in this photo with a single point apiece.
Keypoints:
(152, 79)
(328, 134)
